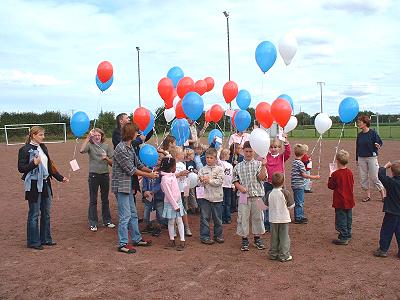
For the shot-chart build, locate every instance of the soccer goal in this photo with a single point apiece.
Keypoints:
(15, 134)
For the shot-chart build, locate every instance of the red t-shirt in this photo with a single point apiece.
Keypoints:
(342, 184)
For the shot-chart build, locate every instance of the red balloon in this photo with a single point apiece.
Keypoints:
(165, 88)
(281, 111)
(185, 85)
(230, 91)
(141, 117)
(104, 71)
(263, 114)
(200, 87)
(233, 118)
(216, 112)
(207, 116)
(210, 83)
(179, 110)
(170, 102)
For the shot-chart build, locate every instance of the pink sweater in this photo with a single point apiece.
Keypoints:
(276, 164)
(170, 187)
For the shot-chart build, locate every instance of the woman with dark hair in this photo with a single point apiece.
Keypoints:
(367, 145)
(37, 168)
(100, 157)
(125, 165)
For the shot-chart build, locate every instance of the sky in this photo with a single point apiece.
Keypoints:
(50, 51)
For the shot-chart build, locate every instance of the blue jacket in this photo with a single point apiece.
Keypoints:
(392, 185)
(153, 185)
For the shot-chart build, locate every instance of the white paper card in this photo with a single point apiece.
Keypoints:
(186, 191)
(186, 144)
(309, 165)
(229, 112)
(74, 165)
(260, 204)
(280, 134)
(153, 215)
(242, 198)
(332, 167)
(218, 140)
(200, 192)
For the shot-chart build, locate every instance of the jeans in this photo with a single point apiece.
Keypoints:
(390, 225)
(42, 206)
(95, 181)
(207, 210)
(158, 206)
(226, 205)
(298, 194)
(343, 221)
(128, 218)
(267, 187)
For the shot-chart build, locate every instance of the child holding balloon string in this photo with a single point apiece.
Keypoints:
(191, 202)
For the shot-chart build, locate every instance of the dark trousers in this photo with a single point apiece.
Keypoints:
(234, 201)
(390, 226)
(343, 223)
(95, 181)
(210, 210)
(226, 205)
(267, 187)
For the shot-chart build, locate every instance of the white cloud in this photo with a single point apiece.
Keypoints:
(359, 89)
(21, 78)
(313, 36)
(366, 7)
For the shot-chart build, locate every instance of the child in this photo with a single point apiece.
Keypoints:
(308, 165)
(275, 163)
(198, 152)
(227, 186)
(341, 182)
(391, 207)
(191, 202)
(248, 177)
(211, 177)
(181, 174)
(279, 201)
(168, 145)
(173, 207)
(235, 157)
(297, 182)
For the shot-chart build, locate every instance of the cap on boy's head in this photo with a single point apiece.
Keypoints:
(300, 149)
(277, 179)
(342, 157)
(246, 145)
(395, 168)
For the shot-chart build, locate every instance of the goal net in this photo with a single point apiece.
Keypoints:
(15, 134)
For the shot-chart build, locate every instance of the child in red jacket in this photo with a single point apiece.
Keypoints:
(341, 182)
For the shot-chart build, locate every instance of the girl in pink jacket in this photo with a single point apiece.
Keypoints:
(173, 206)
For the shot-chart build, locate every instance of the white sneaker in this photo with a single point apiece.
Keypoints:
(110, 225)
(188, 232)
(93, 228)
(287, 259)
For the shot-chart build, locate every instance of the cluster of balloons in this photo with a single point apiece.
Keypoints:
(104, 76)
(279, 111)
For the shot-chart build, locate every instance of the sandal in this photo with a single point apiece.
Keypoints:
(143, 243)
(128, 249)
(366, 199)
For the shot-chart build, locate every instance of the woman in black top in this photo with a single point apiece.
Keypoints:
(37, 168)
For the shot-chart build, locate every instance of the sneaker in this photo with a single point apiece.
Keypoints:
(245, 245)
(40, 247)
(156, 232)
(170, 245)
(188, 232)
(259, 244)
(340, 242)
(273, 257)
(128, 249)
(147, 229)
(93, 228)
(143, 243)
(109, 225)
(289, 258)
(301, 221)
(380, 253)
(304, 220)
(219, 240)
(181, 246)
(308, 191)
(207, 242)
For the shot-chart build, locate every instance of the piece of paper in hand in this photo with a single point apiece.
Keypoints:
(280, 134)
(260, 204)
(186, 191)
(229, 112)
(332, 167)
(218, 140)
(309, 165)
(200, 192)
(186, 144)
(74, 165)
(243, 198)
(153, 215)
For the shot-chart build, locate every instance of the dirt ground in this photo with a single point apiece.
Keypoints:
(86, 265)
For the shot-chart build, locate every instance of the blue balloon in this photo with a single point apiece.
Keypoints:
(151, 124)
(348, 109)
(175, 74)
(148, 155)
(180, 130)
(103, 86)
(289, 99)
(79, 123)
(211, 136)
(243, 99)
(193, 105)
(242, 120)
(265, 55)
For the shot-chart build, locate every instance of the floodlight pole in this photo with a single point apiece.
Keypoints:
(320, 83)
(138, 70)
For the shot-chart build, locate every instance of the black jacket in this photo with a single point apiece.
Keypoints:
(391, 203)
(25, 166)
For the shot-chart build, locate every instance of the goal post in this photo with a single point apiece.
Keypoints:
(57, 133)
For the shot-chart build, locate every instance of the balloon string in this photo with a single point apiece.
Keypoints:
(337, 146)
(164, 137)
(97, 111)
(320, 137)
(319, 157)
(73, 157)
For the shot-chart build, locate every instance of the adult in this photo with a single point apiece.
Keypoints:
(239, 137)
(100, 157)
(37, 168)
(367, 145)
(125, 165)
(195, 135)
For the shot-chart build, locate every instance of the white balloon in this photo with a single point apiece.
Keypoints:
(192, 180)
(175, 102)
(259, 141)
(169, 114)
(288, 48)
(291, 124)
(322, 123)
